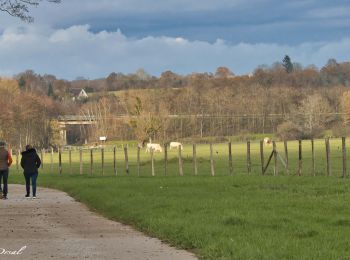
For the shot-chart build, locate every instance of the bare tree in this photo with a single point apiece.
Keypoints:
(314, 109)
(101, 111)
(20, 8)
(147, 125)
(345, 103)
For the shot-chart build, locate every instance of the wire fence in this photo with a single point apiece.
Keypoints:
(321, 157)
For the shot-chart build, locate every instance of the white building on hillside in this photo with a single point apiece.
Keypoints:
(79, 94)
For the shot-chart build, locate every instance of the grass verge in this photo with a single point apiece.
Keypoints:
(224, 217)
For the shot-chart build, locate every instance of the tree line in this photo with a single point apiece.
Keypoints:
(285, 98)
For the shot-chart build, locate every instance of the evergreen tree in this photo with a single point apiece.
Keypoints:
(50, 90)
(21, 83)
(287, 64)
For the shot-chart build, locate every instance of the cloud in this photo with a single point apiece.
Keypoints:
(254, 21)
(77, 51)
(147, 6)
(330, 12)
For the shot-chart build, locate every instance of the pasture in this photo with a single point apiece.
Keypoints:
(222, 217)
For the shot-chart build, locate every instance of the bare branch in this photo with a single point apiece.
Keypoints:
(20, 8)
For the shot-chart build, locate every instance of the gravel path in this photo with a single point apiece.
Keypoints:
(54, 226)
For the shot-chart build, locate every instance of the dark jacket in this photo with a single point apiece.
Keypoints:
(30, 161)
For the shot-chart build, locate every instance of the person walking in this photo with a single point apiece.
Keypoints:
(5, 163)
(30, 163)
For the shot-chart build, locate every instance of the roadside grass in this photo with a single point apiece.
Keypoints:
(221, 217)
(239, 217)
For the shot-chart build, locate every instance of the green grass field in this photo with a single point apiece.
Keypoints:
(222, 217)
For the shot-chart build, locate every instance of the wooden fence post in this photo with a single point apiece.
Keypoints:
(300, 158)
(328, 157)
(138, 160)
(91, 162)
(81, 160)
(286, 155)
(60, 160)
(262, 156)
(126, 160)
(115, 161)
(230, 164)
(42, 159)
(211, 160)
(344, 156)
(275, 167)
(313, 157)
(248, 157)
(17, 160)
(195, 168)
(165, 159)
(70, 160)
(152, 161)
(181, 173)
(51, 167)
(103, 161)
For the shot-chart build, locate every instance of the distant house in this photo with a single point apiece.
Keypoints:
(79, 94)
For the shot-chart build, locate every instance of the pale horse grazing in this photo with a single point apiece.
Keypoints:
(267, 141)
(154, 147)
(176, 145)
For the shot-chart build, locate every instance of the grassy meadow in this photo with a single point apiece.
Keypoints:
(222, 217)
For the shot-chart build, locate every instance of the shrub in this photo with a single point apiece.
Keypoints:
(289, 131)
(341, 130)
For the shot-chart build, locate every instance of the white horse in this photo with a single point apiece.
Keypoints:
(154, 147)
(267, 141)
(176, 145)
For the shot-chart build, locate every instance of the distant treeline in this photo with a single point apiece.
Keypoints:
(285, 98)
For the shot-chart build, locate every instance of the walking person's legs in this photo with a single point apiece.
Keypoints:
(5, 178)
(1, 176)
(34, 177)
(27, 177)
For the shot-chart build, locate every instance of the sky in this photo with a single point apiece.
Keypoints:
(91, 39)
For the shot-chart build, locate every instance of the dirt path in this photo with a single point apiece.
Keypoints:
(54, 226)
